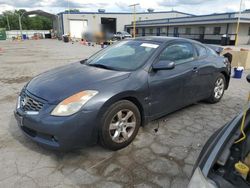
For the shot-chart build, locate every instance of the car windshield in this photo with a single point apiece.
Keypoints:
(123, 56)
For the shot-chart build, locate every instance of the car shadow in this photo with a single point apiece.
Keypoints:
(89, 156)
(19, 136)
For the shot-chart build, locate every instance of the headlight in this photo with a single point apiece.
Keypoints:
(18, 102)
(73, 103)
(199, 181)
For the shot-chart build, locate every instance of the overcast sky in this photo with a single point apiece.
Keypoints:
(189, 6)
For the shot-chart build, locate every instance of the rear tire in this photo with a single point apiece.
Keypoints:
(120, 125)
(218, 89)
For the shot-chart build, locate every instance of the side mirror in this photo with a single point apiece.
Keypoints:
(248, 78)
(83, 61)
(163, 65)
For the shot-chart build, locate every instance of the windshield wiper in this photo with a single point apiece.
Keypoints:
(101, 66)
(83, 61)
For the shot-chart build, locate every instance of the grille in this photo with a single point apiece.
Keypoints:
(27, 103)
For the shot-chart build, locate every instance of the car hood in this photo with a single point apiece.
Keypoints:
(60, 83)
(220, 141)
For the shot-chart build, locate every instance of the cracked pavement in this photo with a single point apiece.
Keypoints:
(155, 159)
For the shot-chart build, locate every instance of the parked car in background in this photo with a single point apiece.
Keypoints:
(224, 162)
(122, 35)
(107, 97)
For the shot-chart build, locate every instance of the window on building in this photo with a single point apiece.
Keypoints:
(176, 31)
(188, 31)
(128, 30)
(217, 30)
(249, 31)
(143, 31)
(151, 31)
(158, 31)
(202, 51)
(178, 53)
(163, 30)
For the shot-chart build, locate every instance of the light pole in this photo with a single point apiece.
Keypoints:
(20, 23)
(134, 24)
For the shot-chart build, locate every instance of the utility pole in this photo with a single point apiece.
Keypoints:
(134, 13)
(20, 25)
(8, 23)
(20, 22)
(238, 24)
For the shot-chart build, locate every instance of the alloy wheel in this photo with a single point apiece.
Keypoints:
(219, 88)
(122, 126)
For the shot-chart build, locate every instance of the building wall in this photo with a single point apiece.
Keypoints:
(243, 35)
(209, 35)
(94, 19)
(226, 22)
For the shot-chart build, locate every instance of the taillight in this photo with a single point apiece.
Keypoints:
(225, 61)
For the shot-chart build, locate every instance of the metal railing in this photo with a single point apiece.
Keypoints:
(204, 38)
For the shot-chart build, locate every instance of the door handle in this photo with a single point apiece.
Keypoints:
(195, 69)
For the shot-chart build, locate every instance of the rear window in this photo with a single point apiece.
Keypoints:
(212, 52)
(202, 51)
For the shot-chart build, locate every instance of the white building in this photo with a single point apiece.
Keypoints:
(205, 28)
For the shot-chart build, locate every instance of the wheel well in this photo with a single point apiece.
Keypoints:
(226, 77)
(139, 106)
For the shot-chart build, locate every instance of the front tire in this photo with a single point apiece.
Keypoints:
(218, 89)
(120, 125)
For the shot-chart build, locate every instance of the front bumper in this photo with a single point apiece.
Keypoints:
(60, 133)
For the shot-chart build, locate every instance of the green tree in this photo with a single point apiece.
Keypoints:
(33, 23)
(72, 11)
(13, 20)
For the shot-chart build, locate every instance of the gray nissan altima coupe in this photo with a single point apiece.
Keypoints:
(107, 97)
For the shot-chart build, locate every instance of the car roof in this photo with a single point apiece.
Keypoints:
(163, 39)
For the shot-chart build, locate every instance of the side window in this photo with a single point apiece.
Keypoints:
(178, 53)
(202, 51)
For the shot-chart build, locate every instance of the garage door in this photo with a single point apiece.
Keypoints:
(77, 28)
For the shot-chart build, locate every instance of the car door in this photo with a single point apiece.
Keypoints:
(169, 89)
(205, 70)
